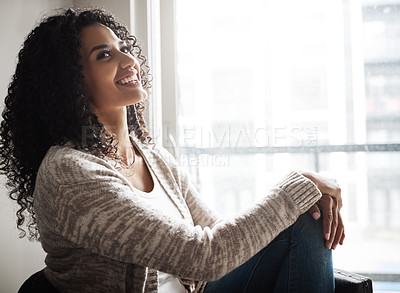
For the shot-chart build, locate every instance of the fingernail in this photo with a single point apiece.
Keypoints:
(315, 216)
(334, 246)
(327, 236)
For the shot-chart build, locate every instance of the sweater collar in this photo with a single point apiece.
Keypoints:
(162, 171)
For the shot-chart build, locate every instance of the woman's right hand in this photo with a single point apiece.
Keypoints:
(332, 224)
(329, 206)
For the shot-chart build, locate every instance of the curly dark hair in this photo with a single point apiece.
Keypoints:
(46, 104)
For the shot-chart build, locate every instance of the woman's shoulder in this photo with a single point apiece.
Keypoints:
(66, 155)
(65, 163)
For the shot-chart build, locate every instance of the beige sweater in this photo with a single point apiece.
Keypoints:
(100, 236)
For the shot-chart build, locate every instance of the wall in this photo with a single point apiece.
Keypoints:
(120, 8)
(19, 258)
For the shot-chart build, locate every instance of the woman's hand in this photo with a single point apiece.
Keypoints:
(329, 205)
(332, 223)
(326, 185)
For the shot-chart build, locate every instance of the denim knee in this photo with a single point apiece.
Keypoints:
(309, 228)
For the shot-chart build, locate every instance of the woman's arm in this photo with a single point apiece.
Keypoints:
(105, 217)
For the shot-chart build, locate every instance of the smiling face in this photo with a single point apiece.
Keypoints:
(112, 74)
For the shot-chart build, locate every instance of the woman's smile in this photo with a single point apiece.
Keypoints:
(130, 79)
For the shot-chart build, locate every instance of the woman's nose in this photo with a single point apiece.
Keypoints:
(126, 60)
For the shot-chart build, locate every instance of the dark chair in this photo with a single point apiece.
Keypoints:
(37, 283)
(345, 283)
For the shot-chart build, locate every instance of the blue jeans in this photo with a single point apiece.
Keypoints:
(295, 261)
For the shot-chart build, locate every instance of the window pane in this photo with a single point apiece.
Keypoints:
(290, 75)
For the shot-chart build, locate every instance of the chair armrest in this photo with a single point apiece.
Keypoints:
(346, 282)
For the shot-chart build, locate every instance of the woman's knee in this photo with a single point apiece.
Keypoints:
(307, 237)
(309, 228)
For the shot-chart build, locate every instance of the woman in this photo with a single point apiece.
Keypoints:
(114, 212)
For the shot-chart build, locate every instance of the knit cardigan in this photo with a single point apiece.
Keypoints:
(100, 236)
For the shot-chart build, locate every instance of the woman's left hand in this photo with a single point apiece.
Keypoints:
(332, 223)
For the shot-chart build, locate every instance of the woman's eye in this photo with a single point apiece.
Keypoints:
(103, 54)
(125, 49)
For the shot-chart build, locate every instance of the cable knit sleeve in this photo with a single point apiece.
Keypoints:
(93, 207)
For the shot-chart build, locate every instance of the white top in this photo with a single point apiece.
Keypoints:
(160, 200)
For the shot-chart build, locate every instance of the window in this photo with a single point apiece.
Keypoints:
(270, 86)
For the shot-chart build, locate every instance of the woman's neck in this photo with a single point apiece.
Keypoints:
(116, 123)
